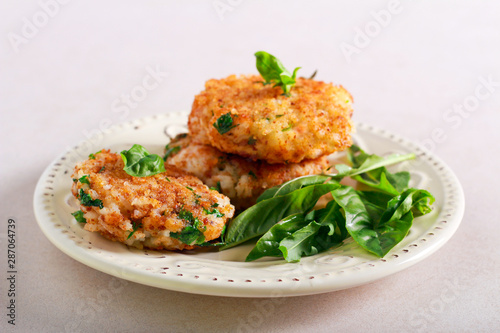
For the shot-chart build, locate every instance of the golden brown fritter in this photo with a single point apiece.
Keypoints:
(170, 210)
(262, 124)
(241, 179)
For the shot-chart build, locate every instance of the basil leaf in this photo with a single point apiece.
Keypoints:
(273, 71)
(224, 123)
(365, 163)
(259, 218)
(375, 232)
(380, 179)
(140, 163)
(292, 185)
(268, 244)
(326, 230)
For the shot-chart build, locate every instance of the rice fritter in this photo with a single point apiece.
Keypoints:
(240, 115)
(170, 210)
(242, 180)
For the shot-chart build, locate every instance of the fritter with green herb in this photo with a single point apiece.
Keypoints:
(242, 115)
(137, 200)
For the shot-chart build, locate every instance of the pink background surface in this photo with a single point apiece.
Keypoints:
(427, 71)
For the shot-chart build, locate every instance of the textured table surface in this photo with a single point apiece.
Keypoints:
(427, 71)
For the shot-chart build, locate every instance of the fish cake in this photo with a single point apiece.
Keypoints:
(167, 211)
(240, 115)
(241, 179)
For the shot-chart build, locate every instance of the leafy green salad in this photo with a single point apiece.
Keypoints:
(286, 224)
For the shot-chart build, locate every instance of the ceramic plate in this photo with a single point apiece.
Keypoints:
(225, 273)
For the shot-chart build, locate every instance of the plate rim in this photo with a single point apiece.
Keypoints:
(292, 286)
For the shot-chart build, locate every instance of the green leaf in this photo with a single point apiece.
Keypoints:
(135, 227)
(170, 151)
(325, 230)
(292, 185)
(224, 123)
(379, 231)
(140, 163)
(365, 163)
(79, 216)
(214, 212)
(379, 179)
(268, 244)
(92, 155)
(259, 218)
(193, 232)
(86, 200)
(273, 71)
(84, 179)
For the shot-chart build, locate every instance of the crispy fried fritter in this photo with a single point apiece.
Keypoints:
(240, 115)
(171, 210)
(241, 179)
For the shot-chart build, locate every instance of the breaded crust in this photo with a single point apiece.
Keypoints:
(156, 207)
(242, 180)
(314, 121)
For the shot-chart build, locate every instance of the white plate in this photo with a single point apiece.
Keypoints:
(225, 273)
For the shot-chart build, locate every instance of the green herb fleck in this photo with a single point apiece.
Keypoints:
(224, 123)
(168, 179)
(251, 173)
(101, 169)
(288, 128)
(170, 150)
(193, 232)
(279, 115)
(135, 226)
(92, 156)
(84, 179)
(79, 217)
(313, 75)
(214, 211)
(86, 200)
(217, 188)
(252, 140)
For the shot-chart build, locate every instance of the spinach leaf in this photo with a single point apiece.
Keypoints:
(224, 123)
(140, 163)
(376, 231)
(273, 71)
(259, 218)
(292, 185)
(380, 179)
(365, 163)
(268, 244)
(325, 230)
